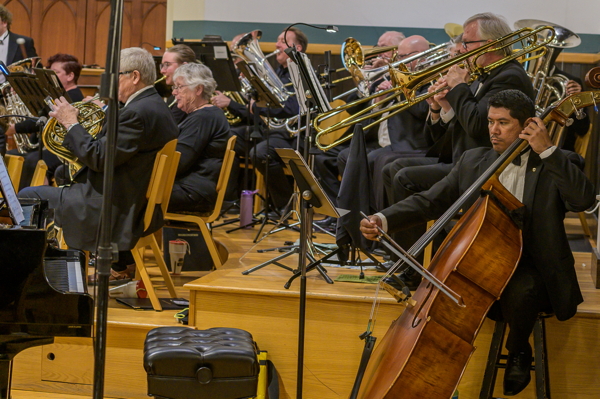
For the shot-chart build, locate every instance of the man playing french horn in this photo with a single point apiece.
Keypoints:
(145, 126)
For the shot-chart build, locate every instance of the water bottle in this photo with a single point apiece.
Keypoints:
(246, 205)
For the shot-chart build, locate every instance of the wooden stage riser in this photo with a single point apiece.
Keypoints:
(71, 372)
(332, 349)
(332, 345)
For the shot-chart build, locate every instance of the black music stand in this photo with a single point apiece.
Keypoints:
(37, 90)
(312, 197)
(307, 183)
(33, 91)
(213, 52)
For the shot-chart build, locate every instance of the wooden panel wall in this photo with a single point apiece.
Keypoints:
(80, 27)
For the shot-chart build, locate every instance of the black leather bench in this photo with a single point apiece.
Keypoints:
(218, 363)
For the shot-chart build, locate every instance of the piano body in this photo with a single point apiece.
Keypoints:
(43, 290)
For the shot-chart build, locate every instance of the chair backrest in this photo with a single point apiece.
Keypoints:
(14, 166)
(582, 142)
(228, 160)
(159, 189)
(39, 175)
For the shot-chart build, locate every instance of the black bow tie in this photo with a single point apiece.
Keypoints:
(517, 160)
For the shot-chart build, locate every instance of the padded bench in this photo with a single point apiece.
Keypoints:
(218, 363)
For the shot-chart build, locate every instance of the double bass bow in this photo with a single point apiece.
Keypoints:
(426, 350)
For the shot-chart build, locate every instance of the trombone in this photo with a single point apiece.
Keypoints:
(407, 83)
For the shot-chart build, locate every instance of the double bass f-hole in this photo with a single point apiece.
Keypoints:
(417, 320)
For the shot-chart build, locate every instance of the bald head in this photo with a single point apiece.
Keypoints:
(410, 46)
(390, 38)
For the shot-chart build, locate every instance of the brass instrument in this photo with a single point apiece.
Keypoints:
(353, 59)
(238, 98)
(13, 105)
(247, 47)
(550, 87)
(91, 117)
(408, 83)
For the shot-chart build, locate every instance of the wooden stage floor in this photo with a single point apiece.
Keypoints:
(336, 315)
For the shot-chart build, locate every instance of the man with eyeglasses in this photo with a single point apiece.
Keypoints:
(458, 118)
(145, 126)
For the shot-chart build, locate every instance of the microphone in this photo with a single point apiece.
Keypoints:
(21, 43)
(41, 121)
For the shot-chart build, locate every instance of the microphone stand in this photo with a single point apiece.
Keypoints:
(106, 250)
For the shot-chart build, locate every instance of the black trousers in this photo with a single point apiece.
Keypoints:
(524, 297)
(278, 185)
(379, 158)
(405, 177)
(53, 195)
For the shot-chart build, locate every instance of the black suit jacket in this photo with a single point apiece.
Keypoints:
(407, 128)
(553, 186)
(145, 126)
(469, 127)
(14, 53)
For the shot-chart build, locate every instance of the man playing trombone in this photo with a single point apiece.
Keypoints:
(458, 117)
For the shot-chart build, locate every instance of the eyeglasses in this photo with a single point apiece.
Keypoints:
(166, 64)
(464, 44)
(125, 72)
(178, 87)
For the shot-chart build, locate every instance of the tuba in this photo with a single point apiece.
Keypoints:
(550, 87)
(13, 105)
(91, 117)
(249, 50)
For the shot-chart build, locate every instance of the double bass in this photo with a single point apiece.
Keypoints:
(426, 350)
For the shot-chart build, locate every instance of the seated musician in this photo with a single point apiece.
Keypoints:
(203, 136)
(458, 118)
(145, 126)
(237, 109)
(67, 68)
(10, 52)
(331, 163)
(173, 58)
(549, 182)
(278, 185)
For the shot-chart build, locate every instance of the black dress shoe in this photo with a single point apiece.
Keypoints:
(327, 222)
(518, 372)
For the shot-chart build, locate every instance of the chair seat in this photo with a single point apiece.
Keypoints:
(198, 214)
(183, 363)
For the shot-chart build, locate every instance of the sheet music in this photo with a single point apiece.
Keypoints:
(322, 102)
(10, 195)
(298, 86)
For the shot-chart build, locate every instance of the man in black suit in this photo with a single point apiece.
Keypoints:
(278, 185)
(401, 134)
(11, 52)
(145, 126)
(458, 116)
(67, 68)
(549, 182)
